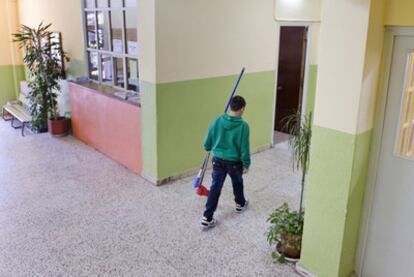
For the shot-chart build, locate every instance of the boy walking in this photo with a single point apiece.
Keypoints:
(228, 139)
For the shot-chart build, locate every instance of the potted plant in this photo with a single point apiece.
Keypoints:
(285, 233)
(45, 69)
(287, 226)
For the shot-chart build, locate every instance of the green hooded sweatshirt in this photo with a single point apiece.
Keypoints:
(228, 139)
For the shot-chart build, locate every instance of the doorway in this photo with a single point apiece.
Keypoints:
(293, 44)
(389, 243)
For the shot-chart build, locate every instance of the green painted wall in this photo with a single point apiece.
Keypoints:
(186, 108)
(310, 98)
(10, 77)
(76, 68)
(355, 201)
(337, 178)
(326, 200)
(149, 129)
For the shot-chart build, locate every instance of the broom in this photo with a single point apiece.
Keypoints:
(200, 189)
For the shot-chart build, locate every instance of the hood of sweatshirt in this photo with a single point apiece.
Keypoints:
(230, 122)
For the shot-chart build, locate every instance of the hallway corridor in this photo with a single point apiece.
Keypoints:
(67, 210)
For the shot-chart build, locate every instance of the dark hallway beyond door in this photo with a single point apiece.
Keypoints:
(292, 53)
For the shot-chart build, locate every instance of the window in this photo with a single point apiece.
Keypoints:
(405, 136)
(132, 74)
(93, 66)
(112, 42)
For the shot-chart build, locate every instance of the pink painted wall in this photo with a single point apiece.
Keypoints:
(110, 125)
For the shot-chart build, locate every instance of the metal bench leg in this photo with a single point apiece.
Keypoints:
(14, 126)
(2, 114)
(23, 125)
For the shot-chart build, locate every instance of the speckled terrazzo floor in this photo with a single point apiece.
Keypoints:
(67, 210)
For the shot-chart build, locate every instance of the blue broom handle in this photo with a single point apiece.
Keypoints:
(205, 164)
(234, 90)
(207, 157)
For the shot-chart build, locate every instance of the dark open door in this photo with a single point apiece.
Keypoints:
(292, 53)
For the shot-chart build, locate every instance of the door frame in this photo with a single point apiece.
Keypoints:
(281, 24)
(389, 39)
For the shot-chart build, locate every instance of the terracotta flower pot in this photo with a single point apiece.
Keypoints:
(58, 127)
(289, 251)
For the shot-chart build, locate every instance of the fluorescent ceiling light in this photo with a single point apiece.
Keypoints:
(292, 3)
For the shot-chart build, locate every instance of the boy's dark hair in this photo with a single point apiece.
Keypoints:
(237, 103)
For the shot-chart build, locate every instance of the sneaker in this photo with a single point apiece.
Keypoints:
(205, 224)
(240, 208)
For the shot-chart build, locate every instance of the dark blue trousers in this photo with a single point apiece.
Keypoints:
(220, 170)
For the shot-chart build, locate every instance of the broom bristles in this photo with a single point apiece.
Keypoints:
(196, 182)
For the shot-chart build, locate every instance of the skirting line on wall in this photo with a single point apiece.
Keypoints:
(193, 171)
(303, 272)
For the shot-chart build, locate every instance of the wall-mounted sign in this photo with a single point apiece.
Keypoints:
(298, 10)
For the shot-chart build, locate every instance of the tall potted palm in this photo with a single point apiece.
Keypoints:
(45, 69)
(286, 225)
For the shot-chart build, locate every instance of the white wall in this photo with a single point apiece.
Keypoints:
(200, 39)
(298, 10)
(341, 59)
(9, 52)
(66, 17)
(373, 56)
(146, 40)
(313, 57)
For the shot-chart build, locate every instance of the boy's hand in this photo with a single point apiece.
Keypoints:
(245, 170)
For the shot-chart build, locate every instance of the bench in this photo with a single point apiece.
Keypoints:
(19, 111)
(13, 111)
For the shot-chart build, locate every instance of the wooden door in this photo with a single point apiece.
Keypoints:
(292, 53)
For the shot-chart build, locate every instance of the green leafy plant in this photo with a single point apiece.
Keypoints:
(300, 142)
(286, 230)
(44, 67)
(287, 226)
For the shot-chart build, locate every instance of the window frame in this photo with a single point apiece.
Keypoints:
(405, 112)
(124, 56)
